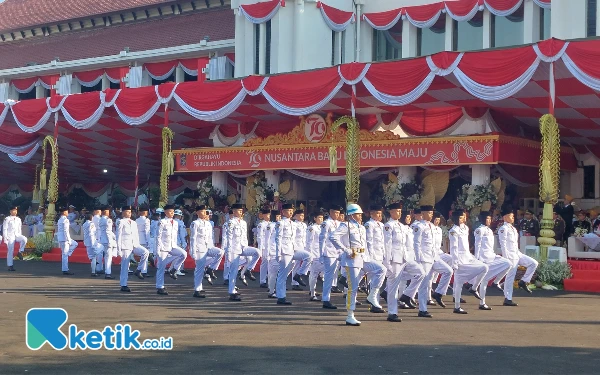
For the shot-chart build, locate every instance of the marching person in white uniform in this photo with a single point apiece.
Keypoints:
(429, 258)
(66, 244)
(90, 240)
(484, 251)
(167, 249)
(465, 265)
(203, 250)
(181, 239)
(438, 240)
(100, 258)
(400, 261)
(301, 267)
(286, 252)
(261, 242)
(236, 246)
(11, 233)
(108, 240)
(509, 243)
(329, 255)
(128, 241)
(312, 246)
(143, 224)
(272, 253)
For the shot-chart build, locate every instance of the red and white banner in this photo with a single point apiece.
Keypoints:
(337, 20)
(261, 12)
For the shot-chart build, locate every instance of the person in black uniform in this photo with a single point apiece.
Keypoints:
(529, 225)
(566, 211)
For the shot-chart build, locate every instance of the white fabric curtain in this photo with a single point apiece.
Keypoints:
(217, 68)
(135, 76)
(4, 89)
(64, 84)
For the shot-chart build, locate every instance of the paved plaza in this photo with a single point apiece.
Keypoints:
(549, 333)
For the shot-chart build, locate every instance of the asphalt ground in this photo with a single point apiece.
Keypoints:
(548, 333)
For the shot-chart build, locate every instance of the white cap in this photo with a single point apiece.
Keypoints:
(178, 212)
(353, 209)
(160, 210)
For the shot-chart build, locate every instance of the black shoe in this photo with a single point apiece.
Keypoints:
(183, 271)
(497, 286)
(438, 298)
(225, 282)
(475, 294)
(329, 305)
(407, 301)
(336, 290)
(402, 306)
(314, 298)
(151, 261)
(125, 289)
(208, 279)
(272, 295)
(139, 275)
(68, 273)
(376, 310)
(459, 311)
(94, 275)
(461, 300)
(299, 280)
(242, 279)
(383, 295)
(282, 301)
(525, 286)
(484, 307)
(424, 314)
(249, 275)
(146, 275)
(297, 287)
(342, 280)
(20, 255)
(393, 318)
(264, 285)
(211, 272)
(173, 274)
(100, 272)
(162, 292)
(431, 302)
(358, 303)
(363, 289)
(467, 286)
(509, 302)
(198, 294)
(234, 297)
(11, 269)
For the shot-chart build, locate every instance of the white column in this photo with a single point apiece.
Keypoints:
(487, 28)
(357, 35)
(298, 19)
(449, 33)
(76, 87)
(219, 181)
(240, 48)
(272, 178)
(250, 48)
(480, 174)
(4, 90)
(146, 79)
(40, 92)
(406, 174)
(262, 49)
(179, 74)
(531, 22)
(105, 82)
(409, 39)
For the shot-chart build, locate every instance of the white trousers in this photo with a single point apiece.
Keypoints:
(212, 256)
(353, 280)
(397, 276)
(234, 264)
(94, 252)
(301, 266)
(273, 271)
(67, 248)
(438, 266)
(286, 263)
(143, 253)
(264, 267)
(498, 268)
(465, 272)
(525, 261)
(176, 256)
(316, 268)
(330, 265)
(446, 258)
(109, 252)
(375, 272)
(22, 240)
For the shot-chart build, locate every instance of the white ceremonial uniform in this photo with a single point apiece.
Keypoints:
(375, 250)
(351, 239)
(316, 266)
(153, 235)
(30, 221)
(484, 251)
(429, 258)
(237, 247)
(72, 216)
(465, 266)
(203, 250)
(273, 263)
(100, 257)
(286, 252)
(329, 255)
(400, 261)
(167, 249)
(109, 241)
(438, 237)
(224, 246)
(39, 223)
(143, 224)
(261, 242)
(509, 243)
(181, 234)
(93, 247)
(11, 233)
(66, 244)
(128, 241)
(301, 266)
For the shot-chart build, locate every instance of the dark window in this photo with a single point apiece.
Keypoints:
(114, 86)
(589, 182)
(170, 78)
(28, 95)
(190, 78)
(268, 51)
(591, 17)
(98, 87)
(545, 23)
(256, 48)
(332, 48)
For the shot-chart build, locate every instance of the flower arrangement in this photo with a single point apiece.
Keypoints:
(580, 232)
(409, 193)
(214, 198)
(260, 194)
(553, 273)
(42, 244)
(472, 196)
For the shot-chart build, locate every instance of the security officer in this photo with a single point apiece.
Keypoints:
(529, 225)
(128, 242)
(465, 265)
(261, 242)
(236, 247)
(202, 249)
(93, 247)
(66, 244)
(300, 267)
(509, 243)
(429, 258)
(484, 251)
(329, 254)
(167, 249)
(400, 261)
(11, 233)
(285, 251)
(108, 240)
(312, 246)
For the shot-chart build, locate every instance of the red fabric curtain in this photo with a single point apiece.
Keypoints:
(161, 68)
(463, 7)
(429, 121)
(88, 76)
(24, 83)
(334, 14)
(496, 68)
(82, 107)
(308, 88)
(262, 9)
(209, 96)
(424, 12)
(384, 20)
(136, 102)
(29, 112)
(398, 79)
(502, 4)
(114, 73)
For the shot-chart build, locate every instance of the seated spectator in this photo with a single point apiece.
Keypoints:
(559, 228)
(582, 223)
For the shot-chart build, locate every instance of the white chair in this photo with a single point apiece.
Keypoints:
(533, 251)
(557, 254)
(525, 241)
